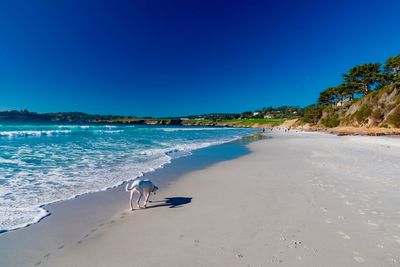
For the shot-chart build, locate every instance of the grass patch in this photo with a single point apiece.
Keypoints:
(249, 122)
(199, 122)
(394, 118)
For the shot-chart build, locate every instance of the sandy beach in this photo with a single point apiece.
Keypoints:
(298, 199)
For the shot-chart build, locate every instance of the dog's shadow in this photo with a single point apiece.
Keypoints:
(171, 202)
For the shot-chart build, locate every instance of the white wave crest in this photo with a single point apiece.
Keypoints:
(108, 131)
(33, 133)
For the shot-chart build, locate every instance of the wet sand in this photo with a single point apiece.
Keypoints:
(298, 199)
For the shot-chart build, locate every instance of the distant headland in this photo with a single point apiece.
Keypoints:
(266, 116)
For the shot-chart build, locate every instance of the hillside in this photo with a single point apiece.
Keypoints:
(377, 109)
(366, 102)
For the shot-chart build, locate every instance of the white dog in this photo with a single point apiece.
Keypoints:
(142, 187)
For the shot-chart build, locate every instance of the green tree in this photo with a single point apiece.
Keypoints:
(327, 97)
(392, 69)
(364, 77)
(348, 90)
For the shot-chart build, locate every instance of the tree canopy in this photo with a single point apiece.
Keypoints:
(364, 77)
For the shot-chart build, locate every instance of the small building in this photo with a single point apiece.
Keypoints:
(342, 102)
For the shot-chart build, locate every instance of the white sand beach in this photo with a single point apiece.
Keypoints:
(298, 199)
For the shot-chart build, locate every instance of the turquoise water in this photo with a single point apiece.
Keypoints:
(41, 164)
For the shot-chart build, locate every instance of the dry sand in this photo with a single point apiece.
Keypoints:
(299, 199)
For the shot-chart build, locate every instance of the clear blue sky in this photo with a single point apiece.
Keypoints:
(167, 58)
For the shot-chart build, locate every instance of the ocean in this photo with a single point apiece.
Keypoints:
(45, 163)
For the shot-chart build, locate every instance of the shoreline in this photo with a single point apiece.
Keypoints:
(43, 212)
(63, 212)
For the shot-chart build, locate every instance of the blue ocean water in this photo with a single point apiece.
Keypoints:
(44, 163)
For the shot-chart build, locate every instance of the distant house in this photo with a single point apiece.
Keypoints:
(256, 113)
(268, 116)
(184, 119)
(342, 102)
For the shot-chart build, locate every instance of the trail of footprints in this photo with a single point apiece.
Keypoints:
(92, 231)
(364, 198)
(368, 210)
(292, 244)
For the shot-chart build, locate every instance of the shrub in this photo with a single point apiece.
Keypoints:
(331, 121)
(377, 114)
(362, 114)
(384, 126)
(394, 118)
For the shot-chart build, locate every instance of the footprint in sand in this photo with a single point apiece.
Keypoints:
(47, 255)
(323, 209)
(275, 259)
(340, 217)
(358, 259)
(348, 203)
(372, 223)
(344, 236)
(379, 245)
(239, 255)
(361, 212)
(196, 242)
(282, 238)
(328, 221)
(37, 263)
(61, 247)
